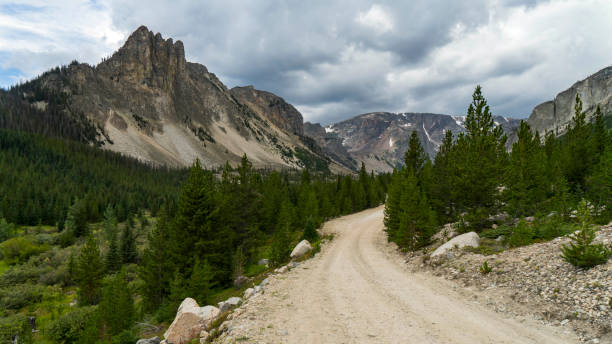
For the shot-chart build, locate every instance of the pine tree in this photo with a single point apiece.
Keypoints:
(156, 269)
(179, 290)
(281, 240)
(76, 220)
(392, 205)
(479, 156)
(579, 155)
(116, 309)
(526, 179)
(441, 190)
(415, 155)
(581, 252)
(113, 256)
(6, 230)
(201, 281)
(416, 220)
(110, 223)
(129, 254)
(89, 271)
(310, 232)
(600, 184)
(601, 138)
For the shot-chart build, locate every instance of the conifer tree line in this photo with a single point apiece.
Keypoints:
(44, 178)
(474, 178)
(221, 225)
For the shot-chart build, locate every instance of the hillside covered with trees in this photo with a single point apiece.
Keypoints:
(93, 242)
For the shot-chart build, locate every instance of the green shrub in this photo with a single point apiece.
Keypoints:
(21, 274)
(485, 268)
(7, 230)
(521, 235)
(15, 325)
(19, 296)
(581, 251)
(494, 233)
(125, 337)
(552, 227)
(254, 270)
(19, 249)
(69, 327)
(59, 275)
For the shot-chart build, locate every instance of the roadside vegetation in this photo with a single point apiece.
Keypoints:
(544, 188)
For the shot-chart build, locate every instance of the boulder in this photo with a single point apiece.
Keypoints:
(264, 282)
(229, 304)
(248, 293)
(530, 219)
(190, 320)
(468, 239)
(154, 340)
(301, 249)
(264, 261)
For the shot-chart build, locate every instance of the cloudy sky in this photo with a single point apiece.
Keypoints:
(337, 59)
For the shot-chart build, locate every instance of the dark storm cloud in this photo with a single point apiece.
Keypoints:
(336, 59)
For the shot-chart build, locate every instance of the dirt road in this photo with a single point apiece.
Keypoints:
(357, 290)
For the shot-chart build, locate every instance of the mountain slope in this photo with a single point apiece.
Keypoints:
(146, 101)
(556, 114)
(380, 139)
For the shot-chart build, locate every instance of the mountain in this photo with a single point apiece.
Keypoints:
(146, 101)
(380, 139)
(556, 114)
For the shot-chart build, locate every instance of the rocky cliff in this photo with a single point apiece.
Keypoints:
(556, 114)
(272, 107)
(148, 102)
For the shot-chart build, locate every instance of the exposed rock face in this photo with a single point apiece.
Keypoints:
(331, 144)
(468, 239)
(148, 102)
(380, 139)
(556, 114)
(271, 106)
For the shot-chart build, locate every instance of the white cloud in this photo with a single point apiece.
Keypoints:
(37, 35)
(336, 59)
(377, 18)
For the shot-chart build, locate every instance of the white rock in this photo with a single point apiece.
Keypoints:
(301, 249)
(248, 293)
(229, 304)
(203, 336)
(233, 301)
(154, 340)
(283, 269)
(468, 239)
(264, 282)
(190, 320)
(264, 261)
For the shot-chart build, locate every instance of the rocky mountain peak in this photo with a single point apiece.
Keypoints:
(146, 58)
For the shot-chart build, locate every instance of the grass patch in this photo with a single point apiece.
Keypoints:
(487, 247)
(3, 266)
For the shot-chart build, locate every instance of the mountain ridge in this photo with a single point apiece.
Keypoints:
(146, 101)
